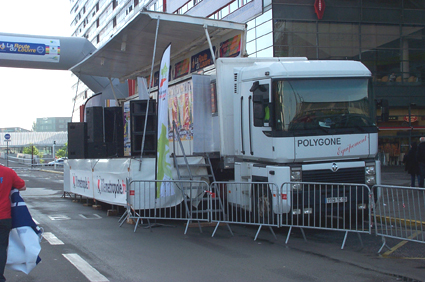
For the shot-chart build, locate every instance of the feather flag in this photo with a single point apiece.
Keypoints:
(24, 239)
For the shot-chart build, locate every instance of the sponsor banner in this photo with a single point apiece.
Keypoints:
(163, 155)
(201, 60)
(81, 183)
(332, 146)
(231, 47)
(181, 68)
(110, 187)
(109, 181)
(29, 49)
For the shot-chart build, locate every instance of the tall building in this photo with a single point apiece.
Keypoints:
(387, 36)
(52, 124)
(98, 21)
(13, 129)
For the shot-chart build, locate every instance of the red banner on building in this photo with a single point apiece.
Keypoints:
(319, 8)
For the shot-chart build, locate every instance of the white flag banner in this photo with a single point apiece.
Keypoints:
(164, 173)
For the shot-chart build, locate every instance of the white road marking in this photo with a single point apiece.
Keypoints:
(90, 272)
(95, 216)
(35, 221)
(58, 217)
(52, 239)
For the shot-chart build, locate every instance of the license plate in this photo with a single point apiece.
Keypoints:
(333, 200)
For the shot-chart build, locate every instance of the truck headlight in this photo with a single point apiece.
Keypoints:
(370, 170)
(370, 180)
(370, 173)
(296, 175)
(296, 186)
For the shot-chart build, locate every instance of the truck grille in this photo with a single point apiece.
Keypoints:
(343, 175)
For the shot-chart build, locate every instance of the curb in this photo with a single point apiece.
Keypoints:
(52, 171)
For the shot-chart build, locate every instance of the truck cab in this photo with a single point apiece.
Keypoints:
(296, 120)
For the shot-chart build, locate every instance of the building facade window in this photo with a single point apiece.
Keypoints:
(260, 36)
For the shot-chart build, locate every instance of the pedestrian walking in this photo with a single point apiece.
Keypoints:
(8, 179)
(411, 165)
(420, 157)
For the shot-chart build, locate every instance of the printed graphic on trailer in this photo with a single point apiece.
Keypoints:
(180, 109)
(29, 49)
(332, 146)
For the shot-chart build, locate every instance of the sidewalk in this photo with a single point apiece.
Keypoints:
(395, 176)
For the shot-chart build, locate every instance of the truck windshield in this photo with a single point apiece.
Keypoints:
(322, 104)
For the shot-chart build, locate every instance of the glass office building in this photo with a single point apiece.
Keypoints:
(387, 36)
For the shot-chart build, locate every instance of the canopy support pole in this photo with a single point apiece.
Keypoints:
(75, 99)
(113, 90)
(149, 92)
(207, 35)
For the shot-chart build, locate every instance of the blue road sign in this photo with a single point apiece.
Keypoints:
(7, 136)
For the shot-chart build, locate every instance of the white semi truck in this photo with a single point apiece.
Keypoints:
(280, 120)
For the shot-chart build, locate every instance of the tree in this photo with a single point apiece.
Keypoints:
(31, 150)
(62, 152)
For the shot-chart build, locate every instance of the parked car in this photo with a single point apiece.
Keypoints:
(59, 162)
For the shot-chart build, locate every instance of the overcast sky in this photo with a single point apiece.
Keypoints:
(28, 94)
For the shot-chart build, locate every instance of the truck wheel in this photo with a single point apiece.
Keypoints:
(262, 206)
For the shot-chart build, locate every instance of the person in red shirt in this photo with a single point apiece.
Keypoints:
(8, 179)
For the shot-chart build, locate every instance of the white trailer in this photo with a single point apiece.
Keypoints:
(257, 119)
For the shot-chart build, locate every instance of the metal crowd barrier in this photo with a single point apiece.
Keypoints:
(173, 200)
(253, 203)
(327, 206)
(399, 213)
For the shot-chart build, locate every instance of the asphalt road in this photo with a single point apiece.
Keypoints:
(92, 247)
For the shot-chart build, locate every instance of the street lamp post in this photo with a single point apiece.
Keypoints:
(54, 156)
(7, 139)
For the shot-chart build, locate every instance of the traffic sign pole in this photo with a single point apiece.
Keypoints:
(7, 139)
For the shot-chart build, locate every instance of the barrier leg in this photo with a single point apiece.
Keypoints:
(230, 230)
(258, 232)
(289, 234)
(187, 226)
(215, 229)
(137, 224)
(345, 239)
(218, 224)
(360, 239)
(384, 244)
(200, 227)
(271, 230)
(123, 217)
(302, 232)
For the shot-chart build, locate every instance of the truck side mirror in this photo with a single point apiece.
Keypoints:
(261, 105)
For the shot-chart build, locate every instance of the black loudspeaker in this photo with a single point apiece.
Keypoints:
(96, 150)
(138, 114)
(77, 140)
(114, 131)
(94, 119)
